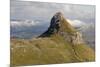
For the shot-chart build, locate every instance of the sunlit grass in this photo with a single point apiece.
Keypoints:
(48, 51)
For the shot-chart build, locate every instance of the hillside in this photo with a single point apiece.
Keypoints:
(61, 43)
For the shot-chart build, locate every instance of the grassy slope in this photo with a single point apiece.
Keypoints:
(48, 51)
(66, 27)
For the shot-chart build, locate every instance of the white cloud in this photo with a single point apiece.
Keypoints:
(25, 23)
(83, 26)
(76, 23)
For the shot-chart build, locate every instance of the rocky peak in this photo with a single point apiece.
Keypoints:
(59, 25)
(55, 23)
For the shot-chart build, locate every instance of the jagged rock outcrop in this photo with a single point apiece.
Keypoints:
(59, 25)
(77, 38)
(54, 25)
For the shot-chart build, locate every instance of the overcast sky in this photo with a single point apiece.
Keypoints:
(21, 10)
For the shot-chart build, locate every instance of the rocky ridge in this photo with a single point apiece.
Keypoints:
(62, 27)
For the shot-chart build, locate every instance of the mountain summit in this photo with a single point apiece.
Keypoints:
(61, 43)
(59, 25)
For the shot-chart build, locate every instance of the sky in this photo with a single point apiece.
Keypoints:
(22, 10)
(91, 2)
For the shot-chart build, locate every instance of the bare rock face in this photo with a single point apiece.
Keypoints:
(59, 25)
(77, 38)
(54, 25)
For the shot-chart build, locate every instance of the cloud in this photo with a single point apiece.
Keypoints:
(44, 11)
(76, 23)
(88, 27)
(82, 26)
(26, 23)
